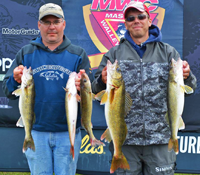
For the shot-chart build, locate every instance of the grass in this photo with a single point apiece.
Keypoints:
(19, 173)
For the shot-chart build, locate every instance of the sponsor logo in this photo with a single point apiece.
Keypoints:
(4, 103)
(105, 24)
(7, 31)
(51, 67)
(51, 72)
(189, 144)
(51, 75)
(163, 169)
(5, 63)
(87, 149)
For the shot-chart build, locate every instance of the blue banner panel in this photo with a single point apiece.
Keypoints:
(189, 153)
(191, 53)
(92, 161)
(12, 158)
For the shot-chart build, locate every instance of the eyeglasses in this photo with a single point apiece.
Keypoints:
(140, 17)
(48, 23)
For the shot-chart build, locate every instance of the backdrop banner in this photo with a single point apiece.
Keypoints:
(94, 161)
(97, 26)
(191, 53)
(189, 153)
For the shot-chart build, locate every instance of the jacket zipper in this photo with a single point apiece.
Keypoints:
(141, 67)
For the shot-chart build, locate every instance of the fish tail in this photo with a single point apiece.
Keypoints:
(72, 151)
(95, 142)
(173, 144)
(119, 162)
(28, 143)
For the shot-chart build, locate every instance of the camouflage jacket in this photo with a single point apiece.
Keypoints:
(146, 81)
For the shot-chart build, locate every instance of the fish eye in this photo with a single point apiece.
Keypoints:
(118, 69)
(84, 80)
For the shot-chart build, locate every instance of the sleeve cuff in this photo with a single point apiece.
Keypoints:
(101, 83)
(12, 84)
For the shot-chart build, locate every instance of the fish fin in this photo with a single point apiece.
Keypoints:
(29, 69)
(26, 90)
(181, 124)
(95, 142)
(128, 103)
(28, 143)
(119, 162)
(17, 92)
(78, 98)
(69, 96)
(104, 98)
(112, 95)
(72, 151)
(93, 97)
(173, 144)
(20, 123)
(113, 87)
(18, 87)
(99, 95)
(188, 89)
(65, 89)
(106, 135)
(182, 89)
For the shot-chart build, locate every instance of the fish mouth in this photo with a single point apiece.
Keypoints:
(176, 66)
(73, 74)
(84, 76)
(112, 68)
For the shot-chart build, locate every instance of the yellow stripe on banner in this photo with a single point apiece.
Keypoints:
(95, 60)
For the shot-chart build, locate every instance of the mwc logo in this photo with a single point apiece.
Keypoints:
(119, 5)
(104, 22)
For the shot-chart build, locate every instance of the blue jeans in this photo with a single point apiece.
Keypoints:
(52, 153)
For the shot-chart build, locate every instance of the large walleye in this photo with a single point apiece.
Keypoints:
(176, 91)
(86, 108)
(117, 105)
(26, 94)
(71, 107)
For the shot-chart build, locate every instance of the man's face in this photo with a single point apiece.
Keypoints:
(139, 28)
(51, 33)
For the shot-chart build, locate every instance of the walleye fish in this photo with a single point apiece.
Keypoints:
(176, 93)
(86, 108)
(71, 107)
(26, 95)
(117, 105)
